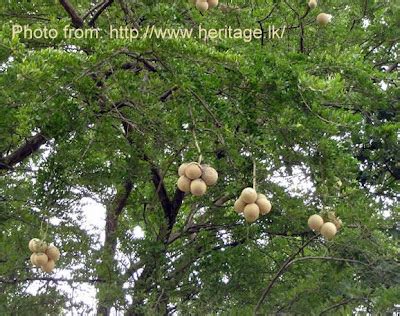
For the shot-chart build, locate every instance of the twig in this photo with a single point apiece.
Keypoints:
(280, 271)
(204, 104)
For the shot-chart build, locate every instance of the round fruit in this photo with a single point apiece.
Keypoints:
(212, 3)
(184, 184)
(328, 230)
(32, 244)
(48, 266)
(210, 175)
(323, 19)
(37, 245)
(202, 5)
(53, 253)
(251, 212)
(41, 259)
(312, 4)
(193, 171)
(239, 206)
(33, 259)
(264, 206)
(249, 195)
(198, 187)
(315, 222)
(261, 196)
(181, 169)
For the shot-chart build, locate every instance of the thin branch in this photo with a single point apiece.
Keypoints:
(91, 10)
(205, 105)
(104, 6)
(48, 279)
(280, 271)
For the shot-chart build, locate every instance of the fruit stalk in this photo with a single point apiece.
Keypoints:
(196, 143)
(254, 174)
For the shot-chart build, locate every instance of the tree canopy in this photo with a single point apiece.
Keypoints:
(110, 120)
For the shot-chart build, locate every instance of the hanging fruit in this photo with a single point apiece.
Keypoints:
(323, 19)
(204, 5)
(43, 256)
(327, 224)
(251, 203)
(195, 178)
(312, 4)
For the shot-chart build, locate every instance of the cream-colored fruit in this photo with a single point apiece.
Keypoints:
(315, 222)
(312, 4)
(48, 267)
(53, 253)
(323, 19)
(328, 230)
(32, 244)
(37, 245)
(264, 206)
(193, 171)
(184, 184)
(261, 196)
(198, 187)
(239, 206)
(33, 259)
(212, 3)
(181, 169)
(201, 5)
(251, 212)
(209, 175)
(249, 195)
(41, 258)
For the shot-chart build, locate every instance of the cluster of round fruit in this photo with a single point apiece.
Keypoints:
(43, 255)
(252, 204)
(328, 227)
(322, 18)
(194, 178)
(204, 5)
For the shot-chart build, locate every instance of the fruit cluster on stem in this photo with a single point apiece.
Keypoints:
(328, 224)
(322, 18)
(204, 5)
(252, 204)
(194, 178)
(43, 255)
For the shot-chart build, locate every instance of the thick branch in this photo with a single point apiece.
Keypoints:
(113, 213)
(29, 147)
(75, 18)
(48, 279)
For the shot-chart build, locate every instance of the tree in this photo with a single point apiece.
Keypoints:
(112, 119)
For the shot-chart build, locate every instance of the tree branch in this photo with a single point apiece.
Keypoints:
(48, 279)
(29, 147)
(280, 271)
(104, 6)
(75, 18)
